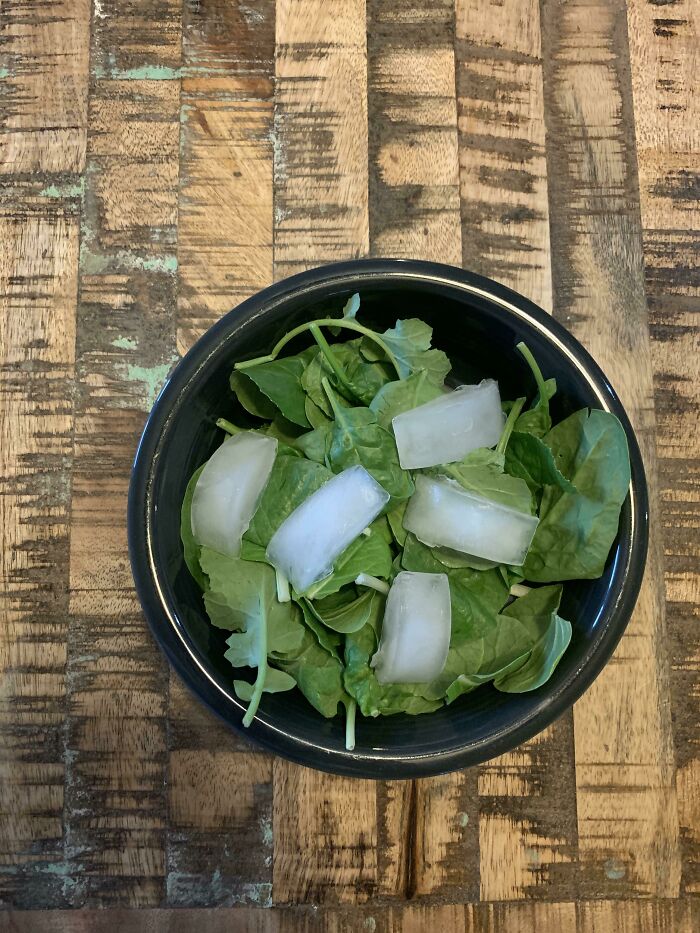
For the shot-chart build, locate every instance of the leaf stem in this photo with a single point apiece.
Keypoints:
(323, 322)
(509, 425)
(228, 426)
(262, 672)
(350, 711)
(536, 371)
(519, 589)
(366, 579)
(330, 394)
(283, 594)
(331, 359)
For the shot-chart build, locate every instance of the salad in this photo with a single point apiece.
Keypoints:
(385, 543)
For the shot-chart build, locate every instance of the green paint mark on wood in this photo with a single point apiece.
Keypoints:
(63, 191)
(94, 264)
(125, 343)
(4, 73)
(152, 377)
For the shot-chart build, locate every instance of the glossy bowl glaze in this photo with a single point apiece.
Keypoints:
(478, 323)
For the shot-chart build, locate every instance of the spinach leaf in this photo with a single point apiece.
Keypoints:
(292, 480)
(356, 438)
(275, 682)
(351, 307)
(326, 638)
(251, 398)
(280, 381)
(314, 445)
(395, 519)
(529, 458)
(373, 698)
(318, 675)
(403, 395)
(255, 552)
(481, 472)
(537, 419)
(367, 554)
(190, 548)
(410, 342)
(316, 416)
(550, 635)
(347, 616)
(577, 530)
(286, 432)
(242, 597)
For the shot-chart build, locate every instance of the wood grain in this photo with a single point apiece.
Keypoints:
(626, 800)
(526, 824)
(325, 826)
(505, 213)
(320, 133)
(429, 840)
(219, 842)
(43, 125)
(117, 683)
(161, 160)
(665, 55)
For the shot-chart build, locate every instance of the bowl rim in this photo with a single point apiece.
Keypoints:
(163, 618)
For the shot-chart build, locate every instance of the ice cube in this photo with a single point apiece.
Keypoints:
(448, 428)
(228, 490)
(440, 512)
(308, 541)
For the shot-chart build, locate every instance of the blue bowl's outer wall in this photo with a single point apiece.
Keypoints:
(477, 322)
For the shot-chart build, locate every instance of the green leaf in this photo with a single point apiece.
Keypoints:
(367, 554)
(356, 438)
(275, 682)
(190, 548)
(316, 416)
(364, 378)
(326, 638)
(481, 472)
(403, 395)
(242, 597)
(542, 661)
(346, 617)
(549, 634)
(250, 396)
(529, 458)
(577, 530)
(409, 341)
(395, 519)
(280, 381)
(286, 432)
(314, 445)
(537, 420)
(351, 307)
(318, 675)
(250, 551)
(292, 480)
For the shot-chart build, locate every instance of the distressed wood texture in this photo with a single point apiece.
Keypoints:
(527, 801)
(626, 799)
(665, 57)
(162, 160)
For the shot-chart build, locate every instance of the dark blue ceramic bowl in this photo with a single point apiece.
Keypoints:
(478, 324)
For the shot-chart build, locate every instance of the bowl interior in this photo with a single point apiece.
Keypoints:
(480, 338)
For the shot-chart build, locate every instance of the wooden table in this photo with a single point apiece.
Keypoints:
(160, 161)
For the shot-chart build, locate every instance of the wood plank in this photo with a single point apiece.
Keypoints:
(43, 101)
(43, 94)
(320, 134)
(665, 55)
(225, 209)
(413, 179)
(324, 826)
(505, 215)
(637, 916)
(219, 837)
(38, 290)
(527, 806)
(116, 729)
(532, 917)
(626, 801)
(428, 833)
